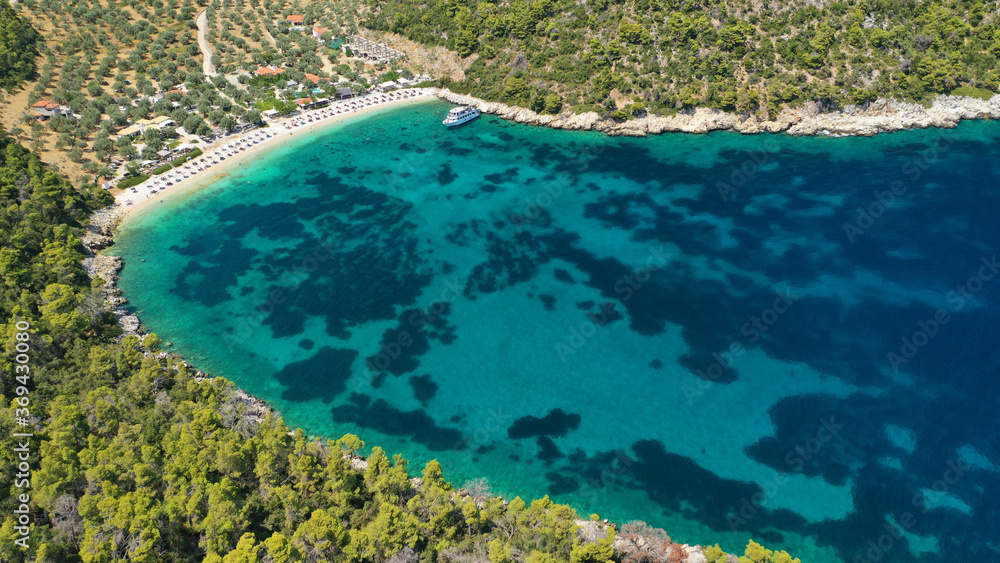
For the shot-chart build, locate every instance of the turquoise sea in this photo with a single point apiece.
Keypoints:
(790, 339)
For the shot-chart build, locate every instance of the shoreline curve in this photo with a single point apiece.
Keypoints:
(201, 172)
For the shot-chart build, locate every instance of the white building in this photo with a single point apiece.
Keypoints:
(48, 108)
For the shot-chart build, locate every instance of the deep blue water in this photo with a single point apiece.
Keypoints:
(728, 336)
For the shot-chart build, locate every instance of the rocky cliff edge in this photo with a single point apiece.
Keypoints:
(879, 117)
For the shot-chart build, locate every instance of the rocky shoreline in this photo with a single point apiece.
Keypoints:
(882, 116)
(99, 236)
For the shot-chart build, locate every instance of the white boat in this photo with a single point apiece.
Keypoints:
(460, 115)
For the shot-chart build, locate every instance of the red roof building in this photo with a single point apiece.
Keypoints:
(295, 19)
(313, 78)
(48, 108)
(269, 71)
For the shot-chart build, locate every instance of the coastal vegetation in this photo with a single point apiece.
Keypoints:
(18, 48)
(137, 458)
(162, 169)
(132, 181)
(179, 161)
(628, 58)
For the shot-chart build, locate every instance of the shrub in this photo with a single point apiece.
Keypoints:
(973, 92)
(713, 553)
(133, 181)
(165, 168)
(553, 103)
(193, 154)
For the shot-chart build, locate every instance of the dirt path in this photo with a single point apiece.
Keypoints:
(206, 51)
(273, 42)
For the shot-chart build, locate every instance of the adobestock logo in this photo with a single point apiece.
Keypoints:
(753, 330)
(795, 459)
(957, 299)
(418, 323)
(912, 170)
(878, 548)
(625, 288)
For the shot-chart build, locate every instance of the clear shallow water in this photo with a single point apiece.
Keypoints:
(635, 327)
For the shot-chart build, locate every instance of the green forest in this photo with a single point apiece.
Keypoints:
(18, 48)
(663, 56)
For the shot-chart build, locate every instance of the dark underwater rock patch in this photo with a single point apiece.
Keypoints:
(548, 451)
(508, 175)
(424, 389)
(554, 424)
(560, 484)
(323, 376)
(562, 275)
(402, 345)
(381, 416)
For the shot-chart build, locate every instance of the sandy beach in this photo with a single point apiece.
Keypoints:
(218, 159)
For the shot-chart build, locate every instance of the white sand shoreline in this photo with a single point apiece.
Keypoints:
(217, 161)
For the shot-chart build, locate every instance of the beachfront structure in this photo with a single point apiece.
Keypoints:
(215, 156)
(141, 125)
(368, 49)
(343, 93)
(130, 131)
(269, 71)
(158, 122)
(48, 108)
(306, 104)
